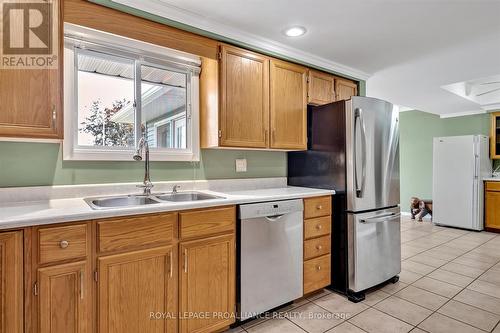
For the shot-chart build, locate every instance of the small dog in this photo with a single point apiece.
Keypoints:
(420, 208)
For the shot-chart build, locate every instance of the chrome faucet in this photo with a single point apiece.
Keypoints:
(176, 187)
(144, 146)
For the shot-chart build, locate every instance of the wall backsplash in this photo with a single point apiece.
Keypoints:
(35, 164)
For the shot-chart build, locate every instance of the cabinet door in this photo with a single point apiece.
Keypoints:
(345, 89)
(244, 106)
(320, 89)
(495, 136)
(137, 291)
(11, 286)
(31, 98)
(207, 284)
(64, 298)
(492, 210)
(288, 106)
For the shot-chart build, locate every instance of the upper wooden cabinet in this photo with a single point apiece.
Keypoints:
(11, 288)
(31, 99)
(320, 88)
(345, 89)
(495, 136)
(288, 106)
(244, 98)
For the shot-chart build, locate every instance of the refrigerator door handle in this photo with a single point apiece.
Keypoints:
(382, 218)
(358, 116)
(476, 166)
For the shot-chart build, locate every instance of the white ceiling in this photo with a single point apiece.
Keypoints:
(407, 48)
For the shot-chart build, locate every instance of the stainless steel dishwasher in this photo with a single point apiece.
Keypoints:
(271, 262)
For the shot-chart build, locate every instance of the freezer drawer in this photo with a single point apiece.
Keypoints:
(374, 241)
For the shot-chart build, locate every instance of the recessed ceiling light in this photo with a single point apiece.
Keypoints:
(295, 31)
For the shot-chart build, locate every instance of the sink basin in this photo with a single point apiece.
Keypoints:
(186, 196)
(123, 201)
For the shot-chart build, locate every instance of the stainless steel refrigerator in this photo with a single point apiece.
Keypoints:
(353, 148)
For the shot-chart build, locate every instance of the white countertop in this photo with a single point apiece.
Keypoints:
(16, 215)
(492, 179)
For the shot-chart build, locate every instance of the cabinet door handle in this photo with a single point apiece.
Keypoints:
(54, 115)
(185, 261)
(171, 264)
(318, 268)
(266, 134)
(81, 284)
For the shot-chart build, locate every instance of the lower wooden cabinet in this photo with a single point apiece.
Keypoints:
(207, 284)
(137, 291)
(65, 298)
(492, 206)
(11, 286)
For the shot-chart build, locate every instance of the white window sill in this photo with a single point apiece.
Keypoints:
(127, 155)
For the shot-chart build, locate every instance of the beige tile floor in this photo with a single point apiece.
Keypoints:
(450, 282)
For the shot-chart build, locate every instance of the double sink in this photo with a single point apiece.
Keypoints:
(142, 199)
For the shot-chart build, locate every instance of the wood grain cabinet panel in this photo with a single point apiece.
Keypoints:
(320, 88)
(244, 103)
(207, 283)
(492, 206)
(345, 89)
(317, 247)
(316, 273)
(319, 206)
(207, 222)
(288, 106)
(11, 286)
(137, 291)
(62, 243)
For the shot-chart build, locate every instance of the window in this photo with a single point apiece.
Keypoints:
(117, 90)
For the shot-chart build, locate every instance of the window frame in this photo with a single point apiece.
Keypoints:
(139, 53)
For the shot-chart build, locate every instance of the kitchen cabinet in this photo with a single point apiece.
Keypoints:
(137, 291)
(11, 288)
(495, 136)
(320, 88)
(64, 298)
(244, 98)
(345, 89)
(32, 98)
(492, 206)
(317, 243)
(288, 108)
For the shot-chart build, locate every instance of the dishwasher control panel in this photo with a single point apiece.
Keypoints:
(272, 208)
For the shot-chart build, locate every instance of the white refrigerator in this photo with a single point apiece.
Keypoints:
(459, 165)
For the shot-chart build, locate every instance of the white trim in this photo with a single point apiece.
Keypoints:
(177, 14)
(461, 114)
(30, 140)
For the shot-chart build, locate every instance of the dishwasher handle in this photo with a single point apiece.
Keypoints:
(274, 218)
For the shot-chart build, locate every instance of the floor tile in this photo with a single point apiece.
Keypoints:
(430, 261)
(375, 321)
(480, 257)
(346, 328)
(375, 296)
(392, 288)
(313, 319)
(438, 287)
(422, 297)
(319, 294)
(462, 269)
(408, 276)
(417, 267)
(404, 310)
(485, 288)
(254, 322)
(491, 276)
(417, 330)
(497, 329)
(472, 262)
(275, 326)
(470, 315)
(235, 330)
(482, 301)
(339, 305)
(437, 323)
(450, 277)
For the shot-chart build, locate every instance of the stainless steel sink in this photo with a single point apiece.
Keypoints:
(186, 196)
(141, 200)
(121, 201)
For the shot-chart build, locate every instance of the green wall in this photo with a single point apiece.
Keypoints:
(32, 164)
(417, 132)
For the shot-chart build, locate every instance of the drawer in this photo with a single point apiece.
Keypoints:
(316, 273)
(319, 206)
(492, 186)
(317, 227)
(207, 222)
(136, 232)
(317, 247)
(62, 243)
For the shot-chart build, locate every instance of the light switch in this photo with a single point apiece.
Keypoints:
(241, 165)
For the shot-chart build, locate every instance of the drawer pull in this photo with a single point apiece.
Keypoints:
(319, 247)
(319, 226)
(63, 244)
(318, 268)
(319, 207)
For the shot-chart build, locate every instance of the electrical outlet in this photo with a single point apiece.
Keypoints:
(241, 165)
